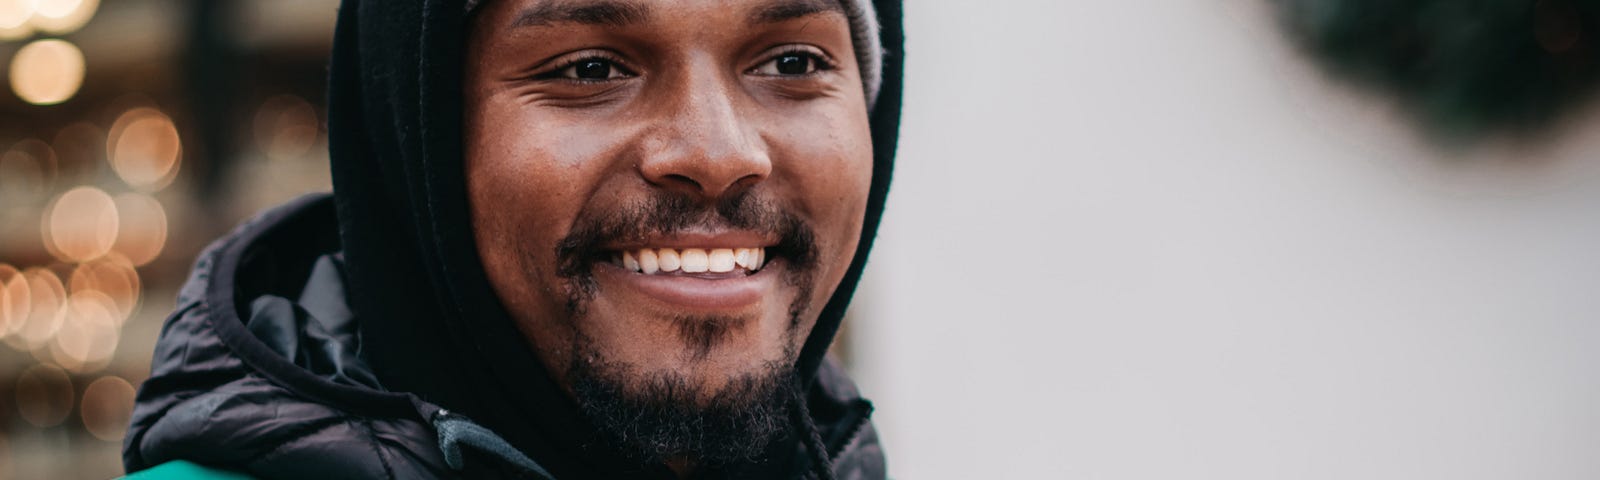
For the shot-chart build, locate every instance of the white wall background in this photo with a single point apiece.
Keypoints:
(1147, 240)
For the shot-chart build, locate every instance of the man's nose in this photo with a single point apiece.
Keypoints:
(704, 146)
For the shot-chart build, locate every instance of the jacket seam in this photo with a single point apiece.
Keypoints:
(298, 436)
(366, 426)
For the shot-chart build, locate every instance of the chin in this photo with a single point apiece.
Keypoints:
(704, 332)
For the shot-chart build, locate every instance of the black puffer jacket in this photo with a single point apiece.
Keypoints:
(258, 371)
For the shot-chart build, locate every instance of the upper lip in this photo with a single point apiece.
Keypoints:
(699, 239)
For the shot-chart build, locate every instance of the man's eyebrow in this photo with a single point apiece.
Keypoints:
(781, 10)
(587, 12)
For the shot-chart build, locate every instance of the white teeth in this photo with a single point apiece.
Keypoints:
(691, 260)
(695, 260)
(629, 262)
(669, 260)
(648, 262)
(720, 260)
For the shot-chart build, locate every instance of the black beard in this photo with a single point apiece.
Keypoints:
(655, 417)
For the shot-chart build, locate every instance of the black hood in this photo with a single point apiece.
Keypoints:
(430, 323)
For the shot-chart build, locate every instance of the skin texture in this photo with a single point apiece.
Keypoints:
(691, 106)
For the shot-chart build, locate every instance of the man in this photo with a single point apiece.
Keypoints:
(567, 239)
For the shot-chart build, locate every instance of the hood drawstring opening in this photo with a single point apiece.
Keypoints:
(811, 440)
(456, 430)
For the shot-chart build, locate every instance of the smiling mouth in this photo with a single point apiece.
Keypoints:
(718, 279)
(707, 263)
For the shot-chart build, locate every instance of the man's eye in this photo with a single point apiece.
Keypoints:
(592, 69)
(797, 63)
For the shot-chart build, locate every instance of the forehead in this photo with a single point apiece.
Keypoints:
(534, 13)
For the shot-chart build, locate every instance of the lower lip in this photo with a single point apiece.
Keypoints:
(692, 293)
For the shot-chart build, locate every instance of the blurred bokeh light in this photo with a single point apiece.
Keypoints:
(14, 16)
(88, 334)
(143, 227)
(107, 404)
(286, 127)
(46, 300)
(81, 225)
(44, 395)
(63, 16)
(144, 148)
(47, 72)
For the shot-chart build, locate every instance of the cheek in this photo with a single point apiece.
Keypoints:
(826, 161)
(532, 169)
(509, 184)
(525, 190)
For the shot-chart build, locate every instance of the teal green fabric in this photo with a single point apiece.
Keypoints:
(184, 470)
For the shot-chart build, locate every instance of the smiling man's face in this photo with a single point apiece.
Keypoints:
(665, 193)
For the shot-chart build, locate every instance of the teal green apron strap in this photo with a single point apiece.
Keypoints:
(185, 470)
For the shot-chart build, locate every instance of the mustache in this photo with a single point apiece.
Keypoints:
(667, 213)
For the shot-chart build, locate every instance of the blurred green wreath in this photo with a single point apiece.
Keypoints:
(1464, 67)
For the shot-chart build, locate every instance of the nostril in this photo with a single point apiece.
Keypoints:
(679, 179)
(744, 183)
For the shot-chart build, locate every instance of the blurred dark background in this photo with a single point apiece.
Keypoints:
(132, 132)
